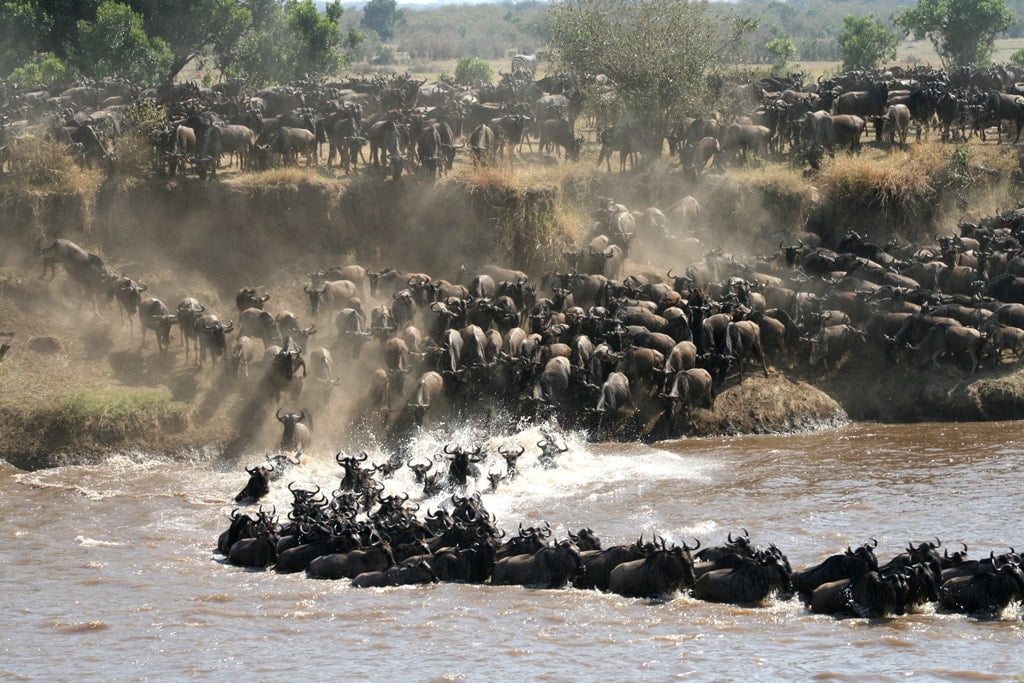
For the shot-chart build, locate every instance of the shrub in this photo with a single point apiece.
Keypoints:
(42, 71)
(472, 70)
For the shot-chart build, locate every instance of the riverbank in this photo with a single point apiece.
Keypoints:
(77, 383)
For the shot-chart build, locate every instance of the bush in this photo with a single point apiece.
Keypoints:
(472, 70)
(42, 71)
(385, 56)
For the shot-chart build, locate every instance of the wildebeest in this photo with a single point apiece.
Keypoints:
(983, 593)
(283, 371)
(153, 315)
(351, 564)
(460, 460)
(248, 297)
(661, 573)
(558, 133)
(892, 126)
(189, 310)
(253, 322)
(212, 337)
(226, 139)
(128, 294)
(551, 567)
(243, 355)
(483, 147)
(297, 434)
(401, 575)
(751, 582)
(739, 139)
(330, 296)
(868, 594)
(836, 567)
(257, 486)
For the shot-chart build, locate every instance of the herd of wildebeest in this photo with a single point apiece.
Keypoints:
(622, 356)
(410, 125)
(374, 540)
(584, 343)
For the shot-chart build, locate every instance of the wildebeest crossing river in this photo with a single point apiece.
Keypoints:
(109, 570)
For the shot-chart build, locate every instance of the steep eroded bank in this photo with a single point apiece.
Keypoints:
(98, 390)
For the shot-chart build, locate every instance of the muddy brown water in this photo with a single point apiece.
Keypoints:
(108, 570)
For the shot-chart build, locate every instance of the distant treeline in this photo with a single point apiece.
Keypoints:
(494, 31)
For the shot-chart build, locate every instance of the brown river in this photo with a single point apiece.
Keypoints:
(108, 570)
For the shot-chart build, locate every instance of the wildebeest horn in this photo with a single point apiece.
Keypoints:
(282, 419)
(365, 456)
(305, 288)
(964, 545)
(874, 542)
(445, 449)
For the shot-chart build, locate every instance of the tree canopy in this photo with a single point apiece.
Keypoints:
(151, 41)
(781, 50)
(382, 16)
(657, 53)
(865, 43)
(114, 44)
(962, 31)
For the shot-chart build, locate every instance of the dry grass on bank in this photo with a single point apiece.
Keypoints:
(40, 167)
(285, 175)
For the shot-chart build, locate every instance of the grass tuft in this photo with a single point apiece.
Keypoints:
(114, 415)
(40, 167)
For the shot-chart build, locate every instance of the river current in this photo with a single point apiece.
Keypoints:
(108, 570)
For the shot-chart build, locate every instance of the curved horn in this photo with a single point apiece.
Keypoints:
(282, 419)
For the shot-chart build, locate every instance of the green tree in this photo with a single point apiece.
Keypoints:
(115, 44)
(316, 40)
(382, 16)
(962, 31)
(43, 70)
(1018, 57)
(780, 50)
(472, 70)
(62, 17)
(21, 28)
(865, 43)
(191, 27)
(286, 41)
(658, 53)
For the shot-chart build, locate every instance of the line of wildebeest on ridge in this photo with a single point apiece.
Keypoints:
(414, 126)
(624, 357)
(357, 533)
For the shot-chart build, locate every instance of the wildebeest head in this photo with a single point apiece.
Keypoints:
(257, 486)
(248, 297)
(215, 332)
(162, 327)
(315, 295)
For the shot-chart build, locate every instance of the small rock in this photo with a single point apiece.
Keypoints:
(44, 344)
